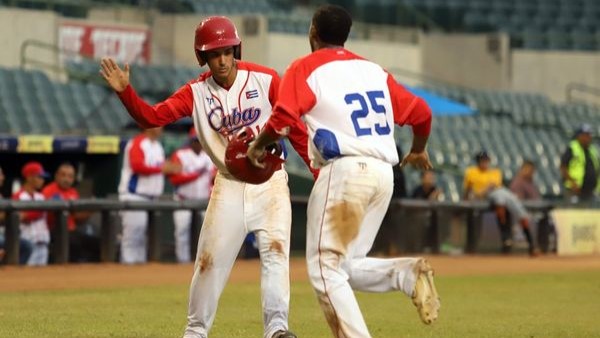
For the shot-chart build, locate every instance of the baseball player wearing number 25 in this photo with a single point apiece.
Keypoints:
(349, 106)
(235, 95)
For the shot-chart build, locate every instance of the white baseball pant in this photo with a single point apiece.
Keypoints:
(345, 210)
(39, 255)
(133, 240)
(234, 210)
(183, 223)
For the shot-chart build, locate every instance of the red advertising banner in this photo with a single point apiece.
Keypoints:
(124, 44)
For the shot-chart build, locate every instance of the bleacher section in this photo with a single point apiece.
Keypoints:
(511, 126)
(532, 24)
(153, 80)
(30, 103)
(537, 24)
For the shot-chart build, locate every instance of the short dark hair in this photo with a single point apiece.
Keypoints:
(65, 164)
(481, 155)
(332, 24)
(528, 163)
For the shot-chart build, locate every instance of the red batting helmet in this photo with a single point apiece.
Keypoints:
(216, 32)
(240, 167)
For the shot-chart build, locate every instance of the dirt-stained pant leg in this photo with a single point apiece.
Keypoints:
(377, 274)
(268, 213)
(336, 208)
(221, 237)
(182, 220)
(345, 210)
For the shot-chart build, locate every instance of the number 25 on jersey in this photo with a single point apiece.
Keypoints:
(365, 110)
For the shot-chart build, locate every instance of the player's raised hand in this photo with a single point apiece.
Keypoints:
(117, 78)
(419, 160)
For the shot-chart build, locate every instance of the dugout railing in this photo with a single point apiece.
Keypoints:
(109, 209)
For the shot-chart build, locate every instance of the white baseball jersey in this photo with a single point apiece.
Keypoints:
(34, 227)
(235, 207)
(219, 113)
(142, 167)
(195, 179)
(349, 105)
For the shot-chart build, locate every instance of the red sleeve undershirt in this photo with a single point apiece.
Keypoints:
(297, 132)
(28, 215)
(409, 109)
(137, 159)
(182, 178)
(178, 105)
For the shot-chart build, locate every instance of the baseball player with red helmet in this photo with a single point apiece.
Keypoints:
(350, 106)
(234, 96)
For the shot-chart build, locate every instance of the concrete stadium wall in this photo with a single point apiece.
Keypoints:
(173, 34)
(20, 25)
(285, 48)
(474, 60)
(549, 72)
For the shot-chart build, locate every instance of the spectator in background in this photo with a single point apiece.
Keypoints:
(2, 178)
(580, 166)
(141, 180)
(34, 228)
(387, 240)
(428, 189)
(522, 184)
(83, 247)
(399, 180)
(484, 183)
(192, 183)
(2, 217)
(479, 180)
(525, 189)
(25, 247)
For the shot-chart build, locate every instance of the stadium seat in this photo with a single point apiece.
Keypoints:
(534, 38)
(583, 40)
(476, 21)
(558, 39)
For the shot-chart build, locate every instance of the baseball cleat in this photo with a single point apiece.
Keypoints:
(425, 296)
(284, 334)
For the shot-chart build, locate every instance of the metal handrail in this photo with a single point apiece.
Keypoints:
(109, 209)
(108, 231)
(581, 87)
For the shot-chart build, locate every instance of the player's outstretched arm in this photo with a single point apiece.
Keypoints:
(178, 105)
(117, 78)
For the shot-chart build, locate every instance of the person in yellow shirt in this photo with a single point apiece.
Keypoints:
(484, 183)
(480, 179)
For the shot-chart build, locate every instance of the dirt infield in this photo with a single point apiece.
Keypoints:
(114, 275)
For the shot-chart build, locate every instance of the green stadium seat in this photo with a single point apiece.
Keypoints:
(525, 8)
(476, 22)
(368, 11)
(406, 13)
(583, 40)
(497, 19)
(534, 39)
(558, 39)
(389, 10)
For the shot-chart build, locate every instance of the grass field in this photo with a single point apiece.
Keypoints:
(562, 304)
